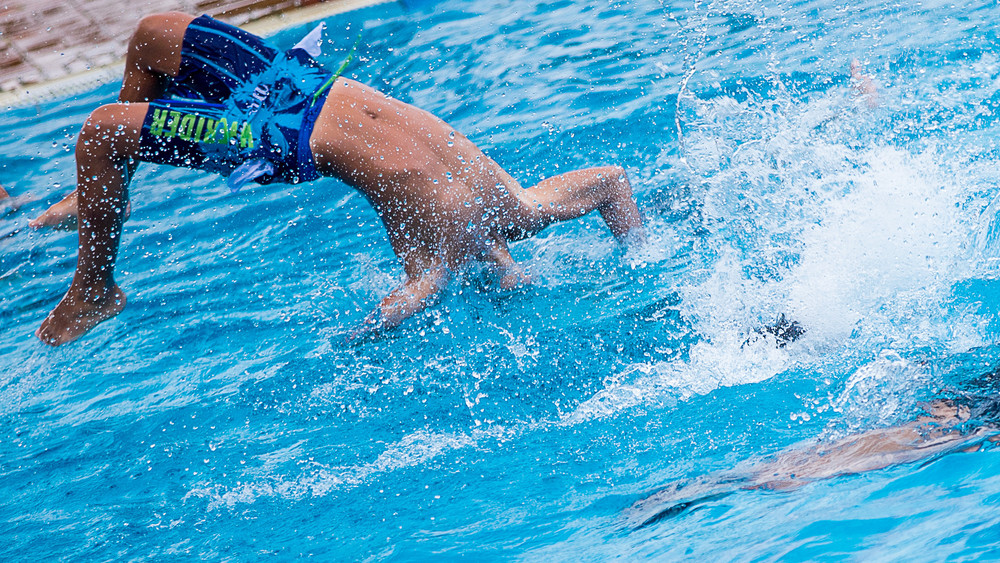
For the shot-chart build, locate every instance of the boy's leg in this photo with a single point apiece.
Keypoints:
(574, 194)
(154, 55)
(107, 145)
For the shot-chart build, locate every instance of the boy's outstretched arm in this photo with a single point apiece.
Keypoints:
(415, 295)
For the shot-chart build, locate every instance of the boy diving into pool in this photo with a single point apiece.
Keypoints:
(203, 94)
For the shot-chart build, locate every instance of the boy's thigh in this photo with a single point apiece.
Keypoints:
(216, 59)
(191, 134)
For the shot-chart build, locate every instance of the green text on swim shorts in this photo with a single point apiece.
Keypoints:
(200, 129)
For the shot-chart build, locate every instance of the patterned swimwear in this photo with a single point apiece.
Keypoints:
(237, 103)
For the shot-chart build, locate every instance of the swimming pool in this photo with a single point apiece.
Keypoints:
(222, 417)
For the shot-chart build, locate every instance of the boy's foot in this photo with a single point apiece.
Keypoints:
(73, 316)
(61, 215)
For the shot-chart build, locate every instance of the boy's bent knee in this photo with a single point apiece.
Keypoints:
(613, 173)
(154, 25)
(157, 41)
(102, 120)
(111, 129)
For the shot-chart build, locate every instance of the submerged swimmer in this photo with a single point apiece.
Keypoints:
(965, 422)
(947, 426)
(203, 94)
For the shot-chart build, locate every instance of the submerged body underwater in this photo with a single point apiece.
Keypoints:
(624, 404)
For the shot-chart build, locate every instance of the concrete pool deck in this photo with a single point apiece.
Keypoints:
(51, 48)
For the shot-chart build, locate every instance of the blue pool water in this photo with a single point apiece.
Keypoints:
(222, 417)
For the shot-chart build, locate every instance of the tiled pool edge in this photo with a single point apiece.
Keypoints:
(92, 78)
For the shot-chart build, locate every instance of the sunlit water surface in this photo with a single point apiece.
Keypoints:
(222, 416)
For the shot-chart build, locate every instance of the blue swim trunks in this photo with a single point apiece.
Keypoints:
(237, 100)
